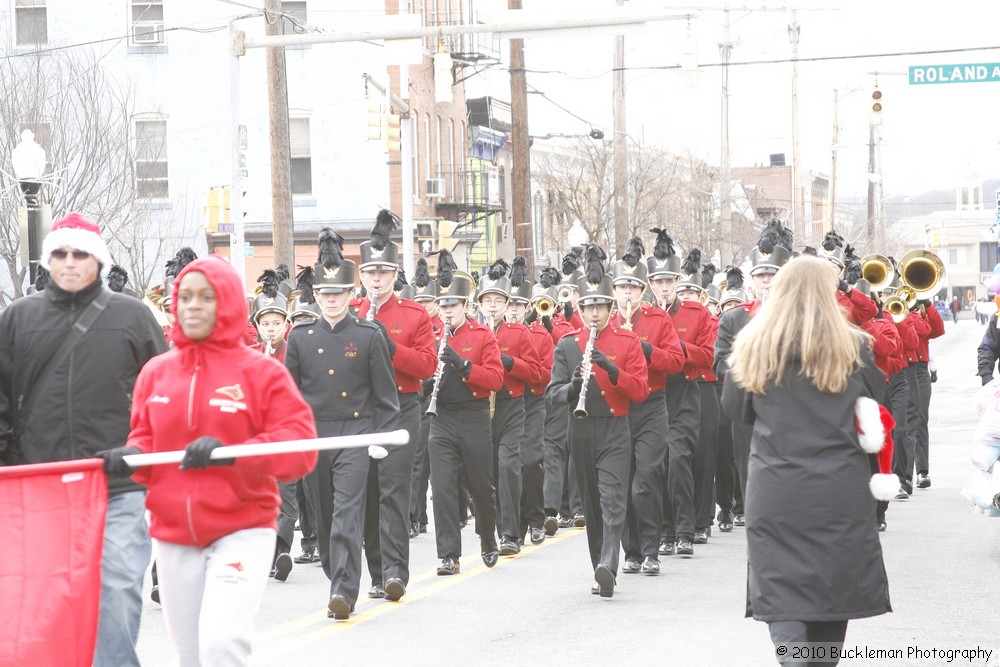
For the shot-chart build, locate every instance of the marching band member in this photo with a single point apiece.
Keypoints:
(928, 326)
(706, 452)
(647, 421)
(858, 307)
(727, 489)
(694, 329)
(521, 366)
(407, 328)
(596, 374)
(341, 364)
(469, 368)
(425, 292)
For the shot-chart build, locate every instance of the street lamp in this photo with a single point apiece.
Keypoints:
(28, 160)
(577, 236)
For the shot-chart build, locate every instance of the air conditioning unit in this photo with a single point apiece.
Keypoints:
(434, 187)
(425, 230)
(148, 33)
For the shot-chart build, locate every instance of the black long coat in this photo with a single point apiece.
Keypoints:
(812, 543)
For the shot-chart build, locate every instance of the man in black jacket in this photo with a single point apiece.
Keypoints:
(989, 350)
(81, 406)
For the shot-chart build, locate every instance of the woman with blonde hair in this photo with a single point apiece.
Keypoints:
(797, 370)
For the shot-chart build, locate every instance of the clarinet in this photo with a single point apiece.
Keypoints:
(373, 310)
(586, 367)
(432, 406)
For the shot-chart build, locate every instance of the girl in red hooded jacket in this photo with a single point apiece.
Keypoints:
(213, 522)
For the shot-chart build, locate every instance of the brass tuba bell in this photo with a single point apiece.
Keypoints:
(922, 270)
(878, 271)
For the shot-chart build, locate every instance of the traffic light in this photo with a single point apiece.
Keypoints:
(392, 132)
(877, 106)
(375, 121)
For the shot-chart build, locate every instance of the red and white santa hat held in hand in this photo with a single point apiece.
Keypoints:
(78, 233)
(875, 425)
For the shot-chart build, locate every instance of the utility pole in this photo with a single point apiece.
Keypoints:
(620, 148)
(831, 221)
(872, 175)
(521, 183)
(797, 222)
(725, 184)
(281, 161)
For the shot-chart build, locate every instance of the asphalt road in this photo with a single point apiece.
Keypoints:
(941, 559)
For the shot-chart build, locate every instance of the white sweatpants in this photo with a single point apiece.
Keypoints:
(211, 595)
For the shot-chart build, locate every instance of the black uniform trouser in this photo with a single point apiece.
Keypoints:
(601, 453)
(921, 439)
(899, 398)
(421, 468)
(797, 633)
(387, 513)
(460, 435)
(507, 430)
(741, 452)
(532, 464)
(647, 425)
(884, 399)
(561, 493)
(338, 487)
(904, 463)
(683, 408)
(287, 515)
(705, 456)
(307, 515)
(725, 464)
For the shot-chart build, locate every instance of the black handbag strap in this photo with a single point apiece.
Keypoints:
(80, 327)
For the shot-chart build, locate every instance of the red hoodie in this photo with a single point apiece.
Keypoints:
(221, 388)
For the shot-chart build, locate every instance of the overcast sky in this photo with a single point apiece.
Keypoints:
(934, 136)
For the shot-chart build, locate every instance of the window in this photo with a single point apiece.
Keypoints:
(437, 153)
(151, 159)
(147, 22)
(956, 256)
(453, 169)
(296, 17)
(298, 139)
(32, 22)
(427, 145)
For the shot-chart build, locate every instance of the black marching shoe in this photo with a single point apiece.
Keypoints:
(154, 594)
(631, 566)
(339, 608)
(376, 592)
(537, 535)
(595, 590)
(923, 480)
(414, 529)
(448, 566)
(667, 547)
(508, 546)
(579, 521)
(740, 520)
(423, 528)
(725, 520)
(605, 579)
(394, 589)
(701, 535)
(307, 556)
(282, 566)
(551, 525)
(881, 526)
(490, 556)
(650, 566)
(684, 547)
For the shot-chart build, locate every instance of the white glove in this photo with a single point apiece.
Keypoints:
(377, 452)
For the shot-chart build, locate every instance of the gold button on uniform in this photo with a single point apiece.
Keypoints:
(330, 371)
(474, 393)
(612, 410)
(320, 351)
(310, 332)
(398, 388)
(602, 392)
(343, 394)
(356, 415)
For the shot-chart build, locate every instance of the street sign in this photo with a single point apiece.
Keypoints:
(967, 73)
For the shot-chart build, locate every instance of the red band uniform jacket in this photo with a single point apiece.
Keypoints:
(694, 327)
(473, 342)
(545, 347)
(515, 341)
(666, 357)
(414, 357)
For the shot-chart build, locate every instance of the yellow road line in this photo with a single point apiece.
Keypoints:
(381, 607)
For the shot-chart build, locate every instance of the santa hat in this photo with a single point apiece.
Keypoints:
(78, 233)
(875, 424)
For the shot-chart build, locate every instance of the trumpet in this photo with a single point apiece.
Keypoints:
(627, 324)
(897, 307)
(565, 295)
(432, 405)
(373, 309)
(580, 411)
(544, 307)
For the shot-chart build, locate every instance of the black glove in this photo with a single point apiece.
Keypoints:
(603, 362)
(508, 362)
(427, 386)
(547, 323)
(114, 463)
(388, 340)
(987, 379)
(926, 303)
(568, 310)
(532, 316)
(451, 357)
(647, 349)
(843, 286)
(197, 453)
(575, 389)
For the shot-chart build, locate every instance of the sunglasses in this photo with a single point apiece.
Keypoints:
(78, 255)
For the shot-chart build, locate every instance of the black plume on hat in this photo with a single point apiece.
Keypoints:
(518, 271)
(691, 262)
(809, 250)
(548, 277)
(446, 267)
(331, 248)
(852, 270)
(708, 274)
(770, 237)
(304, 283)
(183, 257)
(734, 277)
(281, 271)
(400, 280)
(849, 253)
(41, 279)
(385, 223)
(595, 263)
(634, 252)
(664, 244)
(570, 263)
(269, 283)
(117, 278)
(832, 240)
(498, 269)
(421, 275)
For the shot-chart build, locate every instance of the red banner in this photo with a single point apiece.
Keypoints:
(52, 529)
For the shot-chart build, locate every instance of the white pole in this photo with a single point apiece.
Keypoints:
(236, 240)
(406, 173)
(397, 437)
